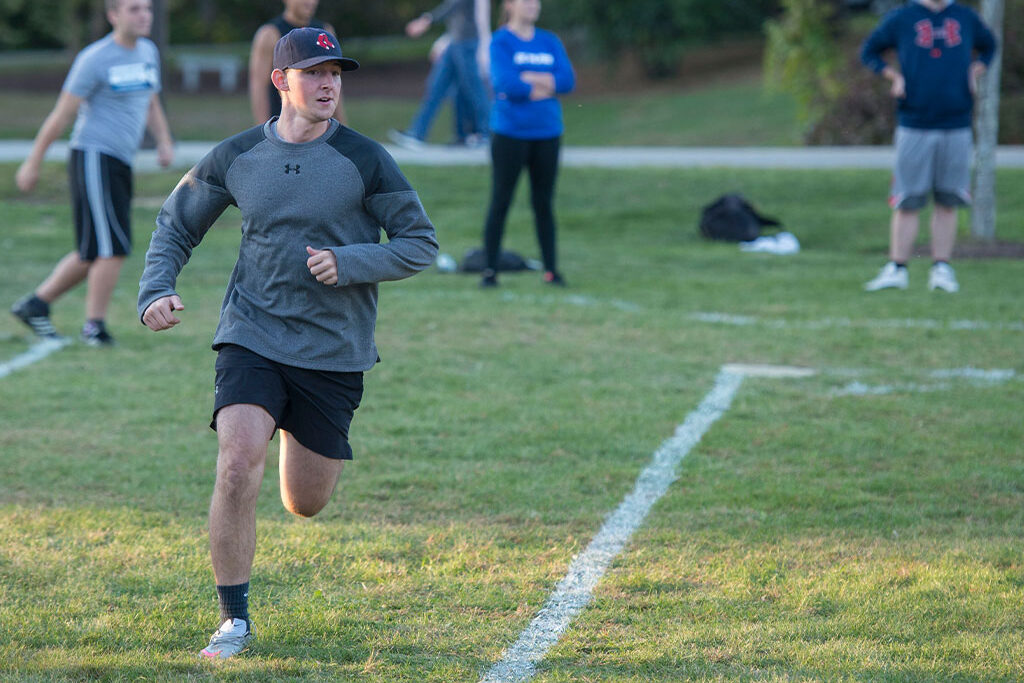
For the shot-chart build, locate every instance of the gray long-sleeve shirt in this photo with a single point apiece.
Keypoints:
(336, 192)
(458, 17)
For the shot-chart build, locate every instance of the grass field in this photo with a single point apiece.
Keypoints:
(819, 531)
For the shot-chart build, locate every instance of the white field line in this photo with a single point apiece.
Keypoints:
(940, 381)
(719, 318)
(869, 323)
(36, 352)
(575, 590)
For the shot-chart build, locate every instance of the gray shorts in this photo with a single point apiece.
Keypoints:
(932, 162)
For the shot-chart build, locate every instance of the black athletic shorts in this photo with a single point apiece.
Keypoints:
(314, 406)
(101, 200)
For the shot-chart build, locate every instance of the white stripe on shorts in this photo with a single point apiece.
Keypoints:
(95, 193)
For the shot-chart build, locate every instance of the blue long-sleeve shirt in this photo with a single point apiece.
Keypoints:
(935, 51)
(514, 114)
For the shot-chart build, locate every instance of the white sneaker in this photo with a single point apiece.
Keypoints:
(231, 638)
(405, 140)
(941, 276)
(890, 277)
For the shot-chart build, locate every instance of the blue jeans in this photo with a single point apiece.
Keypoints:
(457, 67)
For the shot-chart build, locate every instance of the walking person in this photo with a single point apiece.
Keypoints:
(111, 94)
(943, 48)
(529, 69)
(468, 25)
(296, 328)
(263, 98)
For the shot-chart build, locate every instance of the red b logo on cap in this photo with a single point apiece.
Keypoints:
(323, 41)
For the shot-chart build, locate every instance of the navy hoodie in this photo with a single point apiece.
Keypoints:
(935, 51)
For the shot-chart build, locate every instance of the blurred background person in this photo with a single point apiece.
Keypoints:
(468, 25)
(264, 99)
(529, 69)
(112, 95)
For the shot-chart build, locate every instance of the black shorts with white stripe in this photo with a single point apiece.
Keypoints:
(101, 197)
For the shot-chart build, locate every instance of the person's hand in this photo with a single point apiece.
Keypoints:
(27, 176)
(323, 264)
(974, 75)
(897, 83)
(418, 26)
(542, 84)
(165, 154)
(159, 315)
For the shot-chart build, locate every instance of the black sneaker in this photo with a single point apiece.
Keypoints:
(94, 333)
(35, 313)
(489, 279)
(553, 278)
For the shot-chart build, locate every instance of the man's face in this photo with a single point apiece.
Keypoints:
(314, 92)
(132, 17)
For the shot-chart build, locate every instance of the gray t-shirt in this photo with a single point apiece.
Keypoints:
(117, 85)
(338, 192)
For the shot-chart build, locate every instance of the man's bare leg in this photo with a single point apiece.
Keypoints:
(243, 432)
(902, 234)
(943, 226)
(102, 279)
(308, 479)
(69, 272)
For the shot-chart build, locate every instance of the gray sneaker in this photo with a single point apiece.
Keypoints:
(231, 638)
(35, 314)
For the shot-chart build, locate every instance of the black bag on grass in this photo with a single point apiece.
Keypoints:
(475, 260)
(731, 218)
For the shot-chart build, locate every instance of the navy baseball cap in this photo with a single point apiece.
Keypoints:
(302, 48)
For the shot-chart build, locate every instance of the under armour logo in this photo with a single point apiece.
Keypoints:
(927, 35)
(288, 168)
(323, 41)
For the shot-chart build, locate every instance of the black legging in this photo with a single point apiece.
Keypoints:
(508, 156)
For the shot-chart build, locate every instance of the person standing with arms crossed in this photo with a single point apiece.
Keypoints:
(263, 98)
(112, 94)
(936, 42)
(529, 69)
(296, 328)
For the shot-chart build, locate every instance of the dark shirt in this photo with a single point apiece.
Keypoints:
(935, 51)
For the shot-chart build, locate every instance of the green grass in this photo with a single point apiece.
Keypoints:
(702, 116)
(810, 536)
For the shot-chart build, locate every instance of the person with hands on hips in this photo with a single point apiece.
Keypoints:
(942, 49)
(296, 329)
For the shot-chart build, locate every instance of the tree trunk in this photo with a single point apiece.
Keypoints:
(983, 215)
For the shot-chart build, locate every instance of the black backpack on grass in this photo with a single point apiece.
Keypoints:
(731, 218)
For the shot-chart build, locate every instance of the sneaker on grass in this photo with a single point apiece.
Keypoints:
(941, 276)
(231, 638)
(36, 314)
(94, 333)
(890, 277)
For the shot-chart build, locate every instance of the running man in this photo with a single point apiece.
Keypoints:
(296, 327)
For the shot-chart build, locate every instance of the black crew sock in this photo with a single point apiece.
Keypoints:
(38, 306)
(234, 601)
(901, 265)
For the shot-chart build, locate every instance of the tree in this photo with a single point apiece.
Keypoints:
(983, 214)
